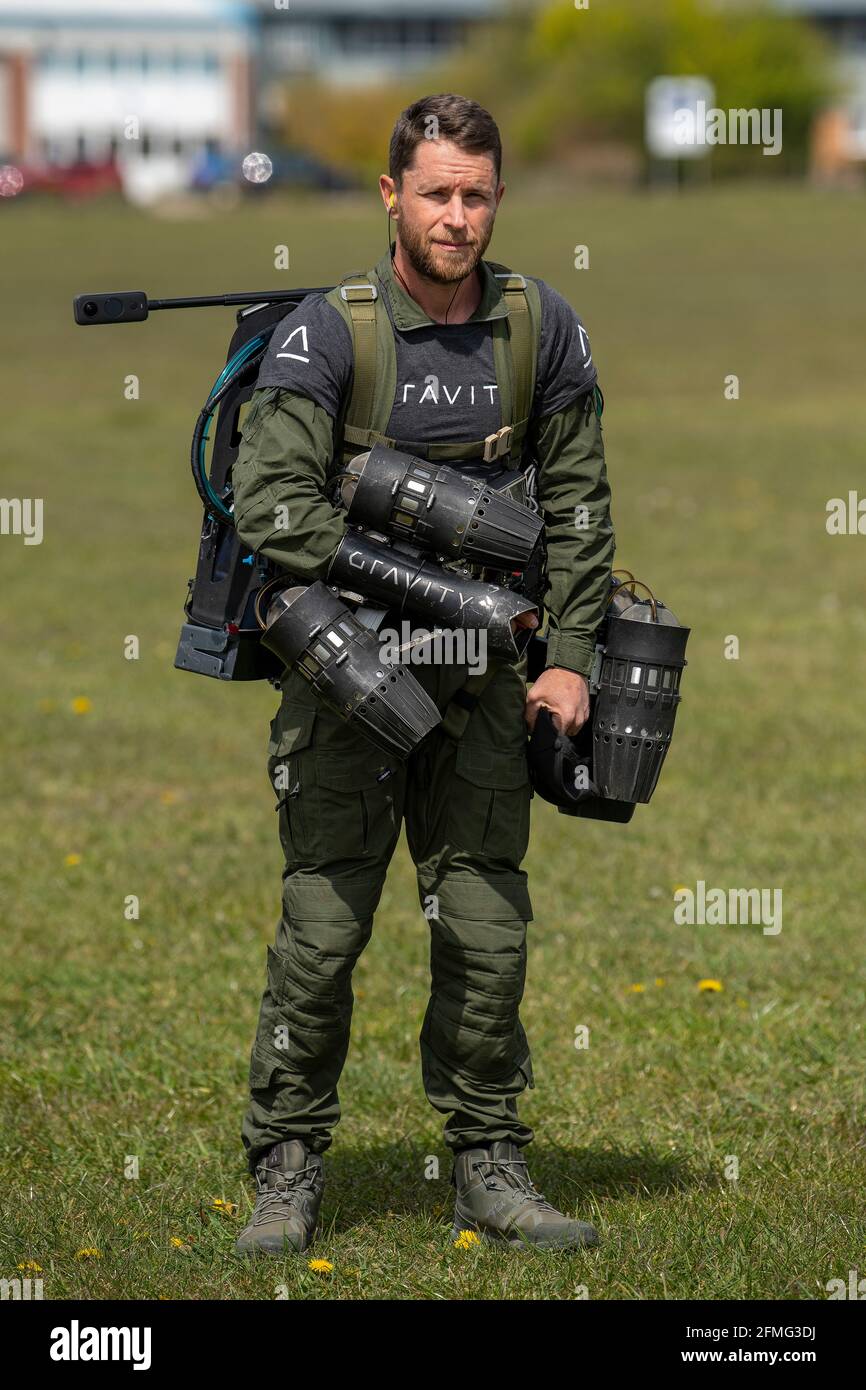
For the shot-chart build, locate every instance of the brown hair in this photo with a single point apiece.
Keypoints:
(456, 118)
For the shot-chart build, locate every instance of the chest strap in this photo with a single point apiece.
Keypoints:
(495, 446)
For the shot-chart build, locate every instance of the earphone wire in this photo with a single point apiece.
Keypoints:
(391, 247)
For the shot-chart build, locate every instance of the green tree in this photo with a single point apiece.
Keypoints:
(562, 76)
(557, 77)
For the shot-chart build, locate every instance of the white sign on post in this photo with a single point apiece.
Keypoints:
(675, 116)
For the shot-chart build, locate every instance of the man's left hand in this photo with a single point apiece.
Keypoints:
(565, 694)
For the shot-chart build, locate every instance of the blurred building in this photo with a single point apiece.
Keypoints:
(90, 80)
(839, 136)
(364, 41)
(154, 86)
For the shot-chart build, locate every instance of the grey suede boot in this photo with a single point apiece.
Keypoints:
(290, 1182)
(496, 1199)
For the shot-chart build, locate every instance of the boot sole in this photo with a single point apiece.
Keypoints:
(284, 1250)
(499, 1238)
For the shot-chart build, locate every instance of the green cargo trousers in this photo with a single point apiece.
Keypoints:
(466, 807)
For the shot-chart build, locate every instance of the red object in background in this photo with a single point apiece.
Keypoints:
(82, 180)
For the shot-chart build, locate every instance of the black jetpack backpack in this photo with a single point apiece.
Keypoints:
(221, 635)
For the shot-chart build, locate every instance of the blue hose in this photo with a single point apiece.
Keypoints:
(233, 365)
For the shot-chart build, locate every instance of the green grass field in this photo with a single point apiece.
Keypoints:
(127, 777)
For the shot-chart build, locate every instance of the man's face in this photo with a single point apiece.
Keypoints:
(446, 210)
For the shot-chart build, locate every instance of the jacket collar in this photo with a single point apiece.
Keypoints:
(407, 314)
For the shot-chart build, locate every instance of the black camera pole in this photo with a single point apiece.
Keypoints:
(132, 306)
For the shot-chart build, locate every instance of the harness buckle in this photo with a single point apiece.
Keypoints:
(511, 275)
(360, 298)
(498, 444)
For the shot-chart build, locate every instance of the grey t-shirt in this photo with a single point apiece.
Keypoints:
(446, 381)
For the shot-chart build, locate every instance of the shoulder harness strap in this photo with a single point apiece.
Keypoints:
(515, 352)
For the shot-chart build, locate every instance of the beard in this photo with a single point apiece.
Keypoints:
(442, 267)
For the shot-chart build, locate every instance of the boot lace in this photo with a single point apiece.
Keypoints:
(519, 1182)
(286, 1192)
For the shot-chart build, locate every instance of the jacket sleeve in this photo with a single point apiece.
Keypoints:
(574, 496)
(279, 479)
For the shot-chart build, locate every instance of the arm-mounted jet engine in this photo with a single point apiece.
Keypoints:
(311, 629)
(401, 578)
(614, 762)
(439, 509)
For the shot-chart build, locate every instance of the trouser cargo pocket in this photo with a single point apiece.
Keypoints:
(490, 809)
(291, 768)
(354, 801)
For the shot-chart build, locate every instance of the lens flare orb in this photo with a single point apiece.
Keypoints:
(257, 167)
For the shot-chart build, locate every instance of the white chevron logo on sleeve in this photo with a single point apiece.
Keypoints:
(296, 356)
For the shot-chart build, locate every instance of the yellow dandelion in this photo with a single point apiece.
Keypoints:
(660, 983)
(88, 1253)
(82, 705)
(30, 1267)
(320, 1266)
(71, 860)
(177, 1242)
(467, 1239)
(710, 985)
(168, 797)
(636, 989)
(221, 1205)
